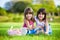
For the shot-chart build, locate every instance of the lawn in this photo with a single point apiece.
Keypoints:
(5, 26)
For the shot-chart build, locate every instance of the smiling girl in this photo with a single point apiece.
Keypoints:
(42, 22)
(29, 20)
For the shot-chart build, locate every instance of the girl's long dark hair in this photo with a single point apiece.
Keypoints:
(41, 10)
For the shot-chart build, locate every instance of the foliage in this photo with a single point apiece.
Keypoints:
(2, 11)
(20, 6)
(12, 18)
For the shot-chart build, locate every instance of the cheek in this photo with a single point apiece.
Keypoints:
(27, 16)
(43, 16)
(31, 15)
(38, 16)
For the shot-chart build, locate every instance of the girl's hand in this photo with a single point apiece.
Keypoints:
(27, 23)
(40, 27)
(30, 27)
(46, 33)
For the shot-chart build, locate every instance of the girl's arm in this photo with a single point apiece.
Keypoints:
(46, 25)
(28, 25)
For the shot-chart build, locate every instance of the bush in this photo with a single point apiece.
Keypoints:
(12, 18)
(56, 14)
(15, 18)
(4, 19)
(2, 12)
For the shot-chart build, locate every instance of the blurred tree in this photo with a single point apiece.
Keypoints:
(19, 6)
(8, 5)
(49, 5)
(2, 12)
(22, 0)
(58, 9)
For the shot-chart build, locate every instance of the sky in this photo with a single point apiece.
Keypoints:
(2, 2)
(57, 2)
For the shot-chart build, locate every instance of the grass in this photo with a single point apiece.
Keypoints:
(5, 26)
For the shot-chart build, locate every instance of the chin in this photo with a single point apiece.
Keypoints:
(28, 19)
(40, 19)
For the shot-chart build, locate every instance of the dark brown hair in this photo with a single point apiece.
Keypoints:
(41, 10)
(28, 10)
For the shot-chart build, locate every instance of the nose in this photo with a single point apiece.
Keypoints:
(28, 15)
(40, 14)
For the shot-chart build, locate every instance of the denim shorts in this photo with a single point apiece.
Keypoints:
(31, 31)
(34, 31)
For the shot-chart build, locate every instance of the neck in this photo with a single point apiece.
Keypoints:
(28, 20)
(40, 20)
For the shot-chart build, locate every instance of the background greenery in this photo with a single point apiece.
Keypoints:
(15, 12)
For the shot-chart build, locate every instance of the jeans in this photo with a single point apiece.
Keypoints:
(50, 30)
(35, 30)
(31, 31)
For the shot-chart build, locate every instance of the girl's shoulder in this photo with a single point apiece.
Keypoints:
(36, 19)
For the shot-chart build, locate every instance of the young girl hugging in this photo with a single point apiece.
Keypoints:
(42, 22)
(29, 20)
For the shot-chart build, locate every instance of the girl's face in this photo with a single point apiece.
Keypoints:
(41, 16)
(28, 16)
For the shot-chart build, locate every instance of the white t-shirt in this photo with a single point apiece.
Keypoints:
(38, 23)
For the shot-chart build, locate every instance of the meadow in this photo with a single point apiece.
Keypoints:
(4, 26)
